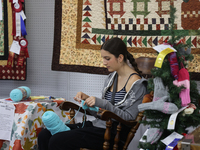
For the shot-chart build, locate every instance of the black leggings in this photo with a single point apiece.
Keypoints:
(87, 137)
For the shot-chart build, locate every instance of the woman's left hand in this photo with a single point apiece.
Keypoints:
(90, 101)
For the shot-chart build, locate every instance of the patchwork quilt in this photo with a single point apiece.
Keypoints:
(82, 26)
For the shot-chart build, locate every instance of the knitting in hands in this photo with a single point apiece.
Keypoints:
(95, 108)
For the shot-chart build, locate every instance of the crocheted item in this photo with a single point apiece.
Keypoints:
(154, 134)
(53, 122)
(184, 80)
(160, 105)
(95, 108)
(159, 89)
(173, 64)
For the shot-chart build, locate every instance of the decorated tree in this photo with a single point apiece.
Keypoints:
(173, 92)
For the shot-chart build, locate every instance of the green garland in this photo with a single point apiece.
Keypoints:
(158, 119)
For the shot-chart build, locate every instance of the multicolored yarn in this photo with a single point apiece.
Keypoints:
(172, 58)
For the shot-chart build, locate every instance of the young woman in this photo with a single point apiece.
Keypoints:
(130, 89)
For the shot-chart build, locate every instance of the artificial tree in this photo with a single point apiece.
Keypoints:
(168, 74)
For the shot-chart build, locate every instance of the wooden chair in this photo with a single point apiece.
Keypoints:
(145, 65)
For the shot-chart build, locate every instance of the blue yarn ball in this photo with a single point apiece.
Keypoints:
(17, 95)
(50, 118)
(53, 122)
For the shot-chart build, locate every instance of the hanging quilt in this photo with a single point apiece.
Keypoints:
(82, 26)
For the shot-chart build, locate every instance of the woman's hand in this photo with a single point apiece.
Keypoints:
(80, 96)
(90, 101)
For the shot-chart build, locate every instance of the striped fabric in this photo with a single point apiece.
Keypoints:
(118, 95)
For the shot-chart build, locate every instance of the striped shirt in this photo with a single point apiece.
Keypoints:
(118, 95)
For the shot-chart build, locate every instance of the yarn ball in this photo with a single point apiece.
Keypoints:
(53, 122)
(28, 91)
(20, 93)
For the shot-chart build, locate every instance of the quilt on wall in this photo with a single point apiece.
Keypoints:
(12, 66)
(3, 31)
(83, 25)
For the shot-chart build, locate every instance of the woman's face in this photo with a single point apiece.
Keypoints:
(109, 60)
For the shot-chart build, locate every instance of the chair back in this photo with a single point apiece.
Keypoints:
(145, 64)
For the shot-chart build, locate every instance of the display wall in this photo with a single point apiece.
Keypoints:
(40, 78)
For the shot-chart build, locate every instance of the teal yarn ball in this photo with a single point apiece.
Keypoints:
(17, 95)
(50, 118)
(53, 122)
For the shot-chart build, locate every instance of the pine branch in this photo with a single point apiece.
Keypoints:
(157, 119)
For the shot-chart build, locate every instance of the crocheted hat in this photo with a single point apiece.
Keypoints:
(183, 75)
(183, 80)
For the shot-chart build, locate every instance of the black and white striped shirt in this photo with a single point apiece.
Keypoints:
(118, 95)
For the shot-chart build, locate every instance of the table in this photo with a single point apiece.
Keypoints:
(28, 123)
(191, 141)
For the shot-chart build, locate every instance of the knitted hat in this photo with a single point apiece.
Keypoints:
(183, 80)
(183, 75)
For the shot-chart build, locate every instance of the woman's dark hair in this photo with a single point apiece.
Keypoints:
(116, 47)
